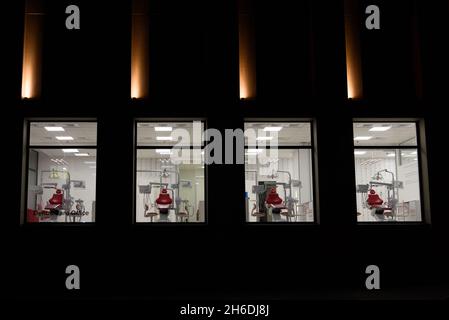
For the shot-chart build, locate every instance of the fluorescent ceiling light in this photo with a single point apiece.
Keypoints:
(81, 154)
(380, 129)
(414, 152)
(254, 151)
(416, 159)
(264, 138)
(90, 162)
(70, 150)
(359, 153)
(163, 151)
(54, 129)
(272, 129)
(391, 155)
(65, 169)
(64, 138)
(163, 129)
(362, 138)
(164, 138)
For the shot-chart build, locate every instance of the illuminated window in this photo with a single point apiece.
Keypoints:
(61, 174)
(279, 180)
(169, 188)
(387, 172)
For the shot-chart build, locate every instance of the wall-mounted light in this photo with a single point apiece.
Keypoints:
(353, 57)
(32, 49)
(139, 50)
(247, 54)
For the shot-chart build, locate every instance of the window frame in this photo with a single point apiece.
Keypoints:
(314, 173)
(420, 147)
(25, 167)
(154, 147)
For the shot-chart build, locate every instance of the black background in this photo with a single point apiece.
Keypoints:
(194, 74)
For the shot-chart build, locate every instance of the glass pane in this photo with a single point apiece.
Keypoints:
(168, 192)
(170, 133)
(279, 185)
(387, 185)
(61, 185)
(63, 134)
(384, 134)
(288, 133)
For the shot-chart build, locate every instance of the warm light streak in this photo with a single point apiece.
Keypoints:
(247, 57)
(32, 50)
(139, 51)
(353, 59)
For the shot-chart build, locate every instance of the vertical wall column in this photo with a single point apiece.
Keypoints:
(416, 49)
(32, 49)
(140, 50)
(247, 51)
(353, 55)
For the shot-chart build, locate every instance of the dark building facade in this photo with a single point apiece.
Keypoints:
(297, 59)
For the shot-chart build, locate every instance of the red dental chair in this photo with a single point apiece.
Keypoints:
(163, 202)
(55, 202)
(374, 201)
(274, 201)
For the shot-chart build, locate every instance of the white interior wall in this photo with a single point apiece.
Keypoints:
(364, 173)
(300, 170)
(407, 173)
(194, 195)
(409, 196)
(78, 171)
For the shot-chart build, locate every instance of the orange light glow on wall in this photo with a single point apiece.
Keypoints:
(140, 50)
(247, 56)
(32, 50)
(353, 58)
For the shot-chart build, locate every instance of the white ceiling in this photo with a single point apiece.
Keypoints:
(152, 154)
(146, 133)
(386, 154)
(83, 133)
(400, 134)
(63, 155)
(289, 154)
(291, 134)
